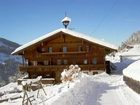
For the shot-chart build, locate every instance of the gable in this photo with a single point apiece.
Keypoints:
(57, 35)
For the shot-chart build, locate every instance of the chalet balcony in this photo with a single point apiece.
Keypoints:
(41, 68)
(54, 71)
(67, 53)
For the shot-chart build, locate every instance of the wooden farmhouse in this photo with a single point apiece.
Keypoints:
(50, 54)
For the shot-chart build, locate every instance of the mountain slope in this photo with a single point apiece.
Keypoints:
(132, 40)
(7, 46)
(8, 62)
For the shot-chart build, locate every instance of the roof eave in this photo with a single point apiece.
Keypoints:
(66, 31)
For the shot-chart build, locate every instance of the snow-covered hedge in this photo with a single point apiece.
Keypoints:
(132, 76)
(133, 71)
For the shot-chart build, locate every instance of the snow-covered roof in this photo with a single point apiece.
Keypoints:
(66, 31)
(66, 19)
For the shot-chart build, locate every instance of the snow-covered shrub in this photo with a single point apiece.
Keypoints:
(71, 73)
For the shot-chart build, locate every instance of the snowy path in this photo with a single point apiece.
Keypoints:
(111, 90)
(99, 89)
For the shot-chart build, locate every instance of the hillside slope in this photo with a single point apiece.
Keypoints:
(8, 62)
(132, 40)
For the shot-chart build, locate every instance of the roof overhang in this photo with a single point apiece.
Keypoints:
(65, 31)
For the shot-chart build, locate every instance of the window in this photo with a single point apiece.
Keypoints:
(35, 63)
(80, 48)
(85, 61)
(50, 49)
(94, 61)
(64, 49)
(46, 62)
(59, 62)
(40, 63)
(27, 62)
(87, 48)
(65, 62)
(43, 49)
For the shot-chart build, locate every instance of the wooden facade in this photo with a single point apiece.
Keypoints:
(51, 55)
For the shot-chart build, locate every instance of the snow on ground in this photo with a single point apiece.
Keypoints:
(100, 89)
(113, 91)
(10, 87)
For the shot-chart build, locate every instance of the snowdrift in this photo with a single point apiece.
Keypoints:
(77, 92)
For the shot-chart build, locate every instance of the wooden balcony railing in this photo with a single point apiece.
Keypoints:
(40, 68)
(53, 53)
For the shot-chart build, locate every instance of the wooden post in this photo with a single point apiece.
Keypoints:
(40, 87)
(26, 98)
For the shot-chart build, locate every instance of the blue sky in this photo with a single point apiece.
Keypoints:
(112, 20)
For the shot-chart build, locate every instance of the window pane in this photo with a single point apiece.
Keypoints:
(50, 49)
(94, 61)
(43, 49)
(87, 48)
(35, 63)
(59, 62)
(85, 61)
(80, 48)
(65, 61)
(64, 49)
(46, 62)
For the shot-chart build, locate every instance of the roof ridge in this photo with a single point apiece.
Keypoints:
(67, 31)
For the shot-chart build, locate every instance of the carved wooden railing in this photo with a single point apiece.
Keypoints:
(59, 67)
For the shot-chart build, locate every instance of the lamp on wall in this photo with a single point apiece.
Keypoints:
(66, 21)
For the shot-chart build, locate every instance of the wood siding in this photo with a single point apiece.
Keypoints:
(59, 51)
